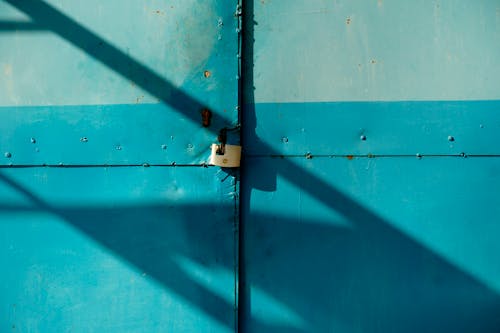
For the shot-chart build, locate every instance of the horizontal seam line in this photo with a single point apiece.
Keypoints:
(101, 165)
(371, 156)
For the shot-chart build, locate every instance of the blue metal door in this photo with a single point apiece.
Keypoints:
(372, 170)
(110, 219)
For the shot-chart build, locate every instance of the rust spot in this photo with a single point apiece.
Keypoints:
(350, 157)
(348, 21)
(206, 117)
(207, 74)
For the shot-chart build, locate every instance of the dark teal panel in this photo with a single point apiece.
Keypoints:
(102, 134)
(117, 250)
(380, 128)
(371, 245)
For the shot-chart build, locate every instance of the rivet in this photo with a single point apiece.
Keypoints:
(451, 139)
(284, 139)
(37, 150)
(463, 155)
(190, 146)
(238, 56)
(309, 156)
(163, 147)
(419, 155)
(238, 30)
(146, 165)
(84, 139)
(8, 155)
(220, 23)
(118, 147)
(61, 164)
(219, 37)
(171, 137)
(33, 140)
(173, 163)
(362, 137)
(481, 126)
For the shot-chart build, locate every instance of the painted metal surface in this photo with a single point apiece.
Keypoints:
(377, 128)
(109, 220)
(372, 245)
(348, 223)
(117, 249)
(324, 51)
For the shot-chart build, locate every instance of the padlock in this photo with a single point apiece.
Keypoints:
(228, 157)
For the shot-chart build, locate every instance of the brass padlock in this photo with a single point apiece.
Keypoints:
(227, 156)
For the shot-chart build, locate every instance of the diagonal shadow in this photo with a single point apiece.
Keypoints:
(296, 293)
(151, 237)
(369, 273)
(48, 17)
(7, 26)
(369, 278)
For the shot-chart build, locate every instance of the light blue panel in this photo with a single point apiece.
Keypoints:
(117, 250)
(387, 128)
(351, 50)
(372, 245)
(112, 52)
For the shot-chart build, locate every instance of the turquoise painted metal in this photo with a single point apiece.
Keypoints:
(110, 219)
(370, 182)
